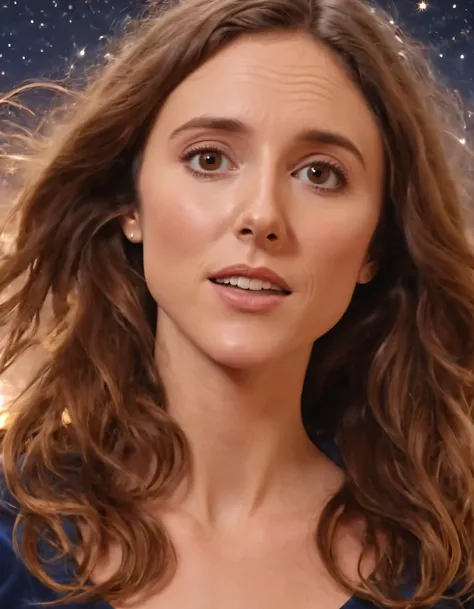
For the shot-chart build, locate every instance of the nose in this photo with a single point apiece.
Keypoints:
(262, 216)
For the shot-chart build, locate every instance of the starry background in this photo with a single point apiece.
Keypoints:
(55, 38)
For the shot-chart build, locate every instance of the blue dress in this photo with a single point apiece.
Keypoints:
(20, 590)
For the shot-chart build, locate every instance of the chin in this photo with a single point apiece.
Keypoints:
(241, 354)
(235, 345)
(239, 361)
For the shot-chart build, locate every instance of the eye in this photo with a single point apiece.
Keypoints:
(207, 160)
(323, 175)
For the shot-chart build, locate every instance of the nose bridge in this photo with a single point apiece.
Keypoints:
(264, 201)
(262, 217)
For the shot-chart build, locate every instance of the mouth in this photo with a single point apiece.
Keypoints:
(250, 290)
(251, 286)
(254, 281)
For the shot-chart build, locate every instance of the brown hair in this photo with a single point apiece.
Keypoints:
(396, 382)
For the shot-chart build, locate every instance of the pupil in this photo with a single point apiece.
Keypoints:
(210, 160)
(317, 173)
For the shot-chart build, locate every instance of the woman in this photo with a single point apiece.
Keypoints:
(258, 377)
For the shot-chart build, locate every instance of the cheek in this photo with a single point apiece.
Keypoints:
(343, 252)
(337, 253)
(343, 240)
(174, 222)
(170, 222)
(176, 229)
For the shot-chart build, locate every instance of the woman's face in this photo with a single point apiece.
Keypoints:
(266, 156)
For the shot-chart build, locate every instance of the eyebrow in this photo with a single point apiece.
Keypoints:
(235, 126)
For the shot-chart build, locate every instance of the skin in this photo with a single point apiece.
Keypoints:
(243, 523)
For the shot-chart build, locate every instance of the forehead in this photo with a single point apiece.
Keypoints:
(276, 83)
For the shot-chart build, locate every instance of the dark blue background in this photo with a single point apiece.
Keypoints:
(51, 38)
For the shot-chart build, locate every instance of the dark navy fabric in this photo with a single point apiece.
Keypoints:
(20, 590)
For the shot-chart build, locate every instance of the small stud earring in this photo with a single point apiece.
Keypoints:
(132, 236)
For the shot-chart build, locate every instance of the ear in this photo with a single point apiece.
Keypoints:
(131, 226)
(367, 273)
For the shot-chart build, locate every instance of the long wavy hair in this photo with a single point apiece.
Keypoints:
(392, 383)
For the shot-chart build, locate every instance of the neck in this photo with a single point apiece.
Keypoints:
(250, 452)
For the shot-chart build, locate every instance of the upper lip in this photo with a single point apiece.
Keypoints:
(263, 273)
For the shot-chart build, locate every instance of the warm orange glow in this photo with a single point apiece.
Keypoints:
(5, 399)
(7, 396)
(66, 419)
(3, 420)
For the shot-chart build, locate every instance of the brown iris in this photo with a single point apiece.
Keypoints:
(319, 174)
(210, 161)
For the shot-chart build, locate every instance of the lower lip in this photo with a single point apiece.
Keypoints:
(248, 300)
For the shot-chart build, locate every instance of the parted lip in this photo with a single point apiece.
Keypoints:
(261, 272)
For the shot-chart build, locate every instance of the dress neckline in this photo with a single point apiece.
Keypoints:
(330, 449)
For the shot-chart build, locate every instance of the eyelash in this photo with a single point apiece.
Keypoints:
(189, 154)
(340, 172)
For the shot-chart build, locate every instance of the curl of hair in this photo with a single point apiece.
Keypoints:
(393, 381)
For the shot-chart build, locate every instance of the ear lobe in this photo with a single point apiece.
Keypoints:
(367, 273)
(130, 224)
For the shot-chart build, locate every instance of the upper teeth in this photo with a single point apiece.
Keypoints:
(249, 284)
